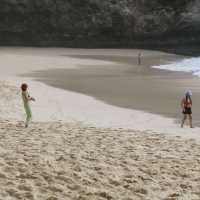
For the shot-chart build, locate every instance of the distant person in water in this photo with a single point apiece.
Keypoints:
(186, 105)
(139, 58)
(26, 100)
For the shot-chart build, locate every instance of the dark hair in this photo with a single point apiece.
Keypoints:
(24, 87)
(188, 97)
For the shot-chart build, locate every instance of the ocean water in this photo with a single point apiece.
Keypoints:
(191, 65)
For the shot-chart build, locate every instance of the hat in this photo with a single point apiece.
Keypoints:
(188, 93)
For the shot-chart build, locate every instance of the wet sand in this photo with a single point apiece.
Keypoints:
(127, 84)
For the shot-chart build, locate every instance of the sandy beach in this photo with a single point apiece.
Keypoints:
(91, 136)
(70, 161)
(126, 84)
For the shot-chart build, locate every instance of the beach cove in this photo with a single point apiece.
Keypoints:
(102, 131)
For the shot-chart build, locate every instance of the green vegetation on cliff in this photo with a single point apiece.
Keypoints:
(57, 22)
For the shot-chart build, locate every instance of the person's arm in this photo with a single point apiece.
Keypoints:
(32, 99)
(29, 98)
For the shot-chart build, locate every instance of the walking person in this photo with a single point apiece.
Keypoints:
(186, 105)
(26, 100)
(139, 58)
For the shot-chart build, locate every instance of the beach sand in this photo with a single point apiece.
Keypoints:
(50, 161)
(78, 147)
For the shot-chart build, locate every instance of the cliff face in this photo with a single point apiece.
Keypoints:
(63, 21)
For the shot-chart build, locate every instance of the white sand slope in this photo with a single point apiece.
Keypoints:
(54, 105)
(59, 105)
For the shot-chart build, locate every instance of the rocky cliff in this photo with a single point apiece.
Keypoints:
(95, 22)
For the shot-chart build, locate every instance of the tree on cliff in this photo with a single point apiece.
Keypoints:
(67, 20)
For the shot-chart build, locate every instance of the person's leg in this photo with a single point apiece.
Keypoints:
(27, 121)
(190, 120)
(28, 116)
(183, 120)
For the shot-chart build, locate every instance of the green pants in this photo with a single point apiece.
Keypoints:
(28, 113)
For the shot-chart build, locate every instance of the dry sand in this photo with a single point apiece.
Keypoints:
(69, 151)
(71, 161)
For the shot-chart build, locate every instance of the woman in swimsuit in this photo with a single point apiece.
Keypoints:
(26, 99)
(186, 105)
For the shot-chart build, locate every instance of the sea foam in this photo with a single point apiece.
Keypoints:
(191, 65)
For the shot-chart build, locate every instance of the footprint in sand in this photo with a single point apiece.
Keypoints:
(25, 188)
(105, 195)
(14, 193)
(55, 189)
(28, 196)
(3, 176)
(52, 198)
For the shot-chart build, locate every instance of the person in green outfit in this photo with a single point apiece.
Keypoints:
(26, 99)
